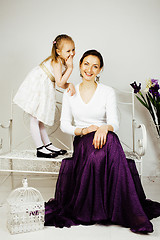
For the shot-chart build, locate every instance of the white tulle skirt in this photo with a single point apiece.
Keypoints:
(36, 96)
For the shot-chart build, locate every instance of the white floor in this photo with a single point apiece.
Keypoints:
(95, 232)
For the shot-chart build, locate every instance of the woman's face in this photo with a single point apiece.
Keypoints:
(90, 67)
(66, 49)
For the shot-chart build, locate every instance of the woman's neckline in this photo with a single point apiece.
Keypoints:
(91, 99)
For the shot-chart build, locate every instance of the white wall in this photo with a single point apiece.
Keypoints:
(126, 32)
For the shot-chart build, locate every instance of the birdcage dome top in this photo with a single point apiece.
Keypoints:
(24, 194)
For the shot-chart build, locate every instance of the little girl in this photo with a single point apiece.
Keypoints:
(36, 94)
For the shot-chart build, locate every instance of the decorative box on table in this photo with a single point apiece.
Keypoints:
(25, 210)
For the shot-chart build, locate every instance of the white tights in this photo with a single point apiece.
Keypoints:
(40, 135)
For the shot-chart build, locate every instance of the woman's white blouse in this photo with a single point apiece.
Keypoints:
(100, 110)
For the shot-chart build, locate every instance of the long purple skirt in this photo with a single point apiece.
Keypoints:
(100, 186)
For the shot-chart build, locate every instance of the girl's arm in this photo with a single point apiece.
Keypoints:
(61, 80)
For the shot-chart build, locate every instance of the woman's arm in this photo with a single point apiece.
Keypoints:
(66, 119)
(86, 130)
(100, 136)
(111, 110)
(66, 116)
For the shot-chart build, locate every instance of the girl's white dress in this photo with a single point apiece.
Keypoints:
(36, 95)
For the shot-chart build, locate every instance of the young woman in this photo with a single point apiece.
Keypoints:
(98, 184)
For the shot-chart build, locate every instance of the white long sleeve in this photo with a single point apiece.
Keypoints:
(101, 109)
(66, 115)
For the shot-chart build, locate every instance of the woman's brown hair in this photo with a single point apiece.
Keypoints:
(93, 52)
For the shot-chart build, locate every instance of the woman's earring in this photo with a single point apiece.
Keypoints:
(97, 78)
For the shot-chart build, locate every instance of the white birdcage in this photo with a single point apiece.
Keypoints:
(25, 209)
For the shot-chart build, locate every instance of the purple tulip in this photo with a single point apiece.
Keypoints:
(136, 87)
(154, 81)
(155, 88)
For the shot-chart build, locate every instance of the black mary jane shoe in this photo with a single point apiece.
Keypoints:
(45, 155)
(60, 152)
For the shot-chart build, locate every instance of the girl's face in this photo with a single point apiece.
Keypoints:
(90, 67)
(66, 49)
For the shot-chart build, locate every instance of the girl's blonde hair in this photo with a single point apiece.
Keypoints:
(56, 44)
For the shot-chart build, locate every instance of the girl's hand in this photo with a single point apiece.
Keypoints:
(100, 137)
(69, 62)
(71, 89)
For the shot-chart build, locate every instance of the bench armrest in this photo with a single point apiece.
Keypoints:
(142, 143)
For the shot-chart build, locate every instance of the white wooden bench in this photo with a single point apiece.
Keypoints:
(133, 135)
(25, 161)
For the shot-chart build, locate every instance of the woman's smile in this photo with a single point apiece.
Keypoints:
(90, 67)
(88, 74)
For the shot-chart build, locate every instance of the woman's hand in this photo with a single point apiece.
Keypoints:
(90, 129)
(85, 131)
(71, 89)
(100, 136)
